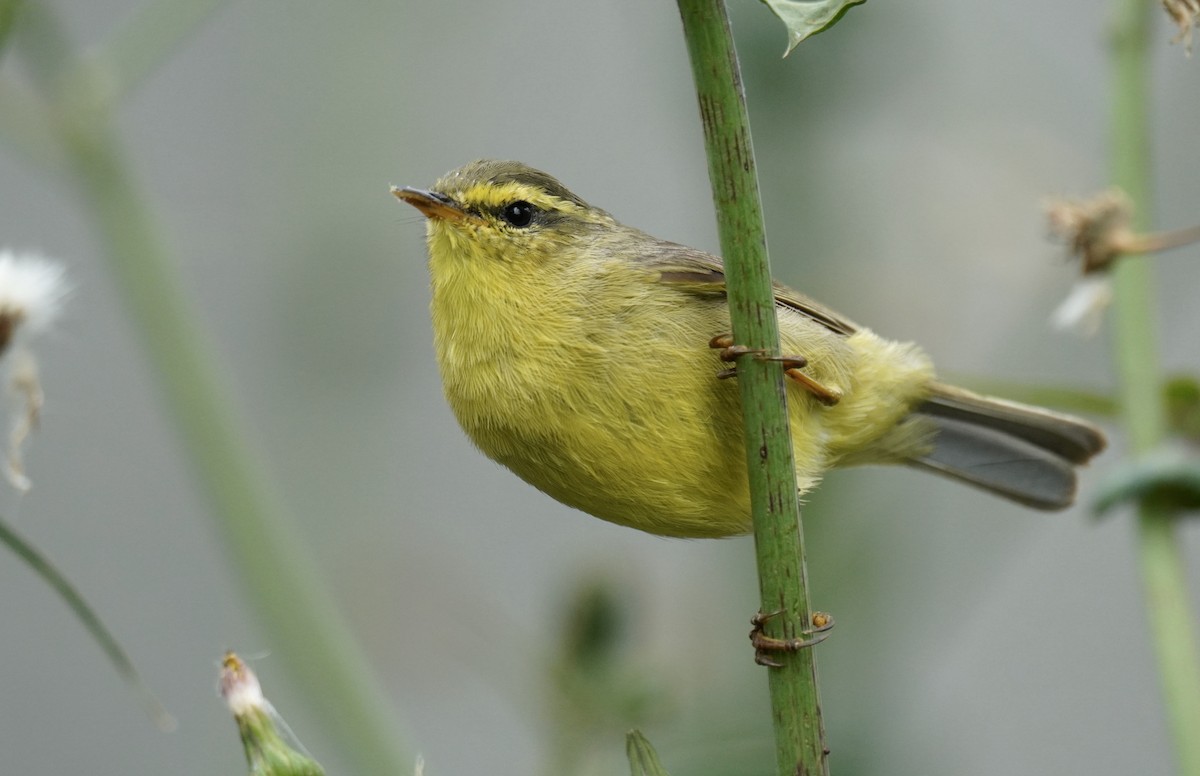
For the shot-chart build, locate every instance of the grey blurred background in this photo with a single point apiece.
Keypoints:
(904, 158)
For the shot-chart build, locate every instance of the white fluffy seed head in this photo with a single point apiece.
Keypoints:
(31, 291)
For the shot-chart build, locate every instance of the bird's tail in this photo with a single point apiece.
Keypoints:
(1026, 454)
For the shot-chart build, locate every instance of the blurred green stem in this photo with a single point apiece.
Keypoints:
(1135, 340)
(59, 583)
(8, 14)
(778, 535)
(146, 40)
(296, 613)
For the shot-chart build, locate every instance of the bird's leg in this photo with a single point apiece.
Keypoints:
(792, 365)
(826, 394)
(764, 644)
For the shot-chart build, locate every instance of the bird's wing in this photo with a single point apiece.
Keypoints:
(702, 273)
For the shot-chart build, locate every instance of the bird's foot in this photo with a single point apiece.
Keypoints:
(792, 366)
(764, 645)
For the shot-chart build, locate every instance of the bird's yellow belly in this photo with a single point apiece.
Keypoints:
(630, 448)
(653, 441)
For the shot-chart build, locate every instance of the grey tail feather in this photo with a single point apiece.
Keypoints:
(1026, 454)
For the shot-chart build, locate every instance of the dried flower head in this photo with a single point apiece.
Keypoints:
(1097, 230)
(31, 293)
(1186, 15)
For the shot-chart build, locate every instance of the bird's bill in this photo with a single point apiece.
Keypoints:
(432, 204)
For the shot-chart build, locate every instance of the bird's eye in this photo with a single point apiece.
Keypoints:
(519, 213)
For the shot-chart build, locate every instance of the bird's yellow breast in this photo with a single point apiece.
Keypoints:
(578, 404)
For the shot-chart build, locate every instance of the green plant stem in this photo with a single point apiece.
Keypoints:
(778, 535)
(147, 39)
(8, 14)
(1135, 341)
(25, 127)
(295, 611)
(91, 622)
(284, 583)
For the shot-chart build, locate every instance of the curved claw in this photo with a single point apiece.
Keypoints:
(822, 623)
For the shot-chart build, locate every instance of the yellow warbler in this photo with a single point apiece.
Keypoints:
(577, 352)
